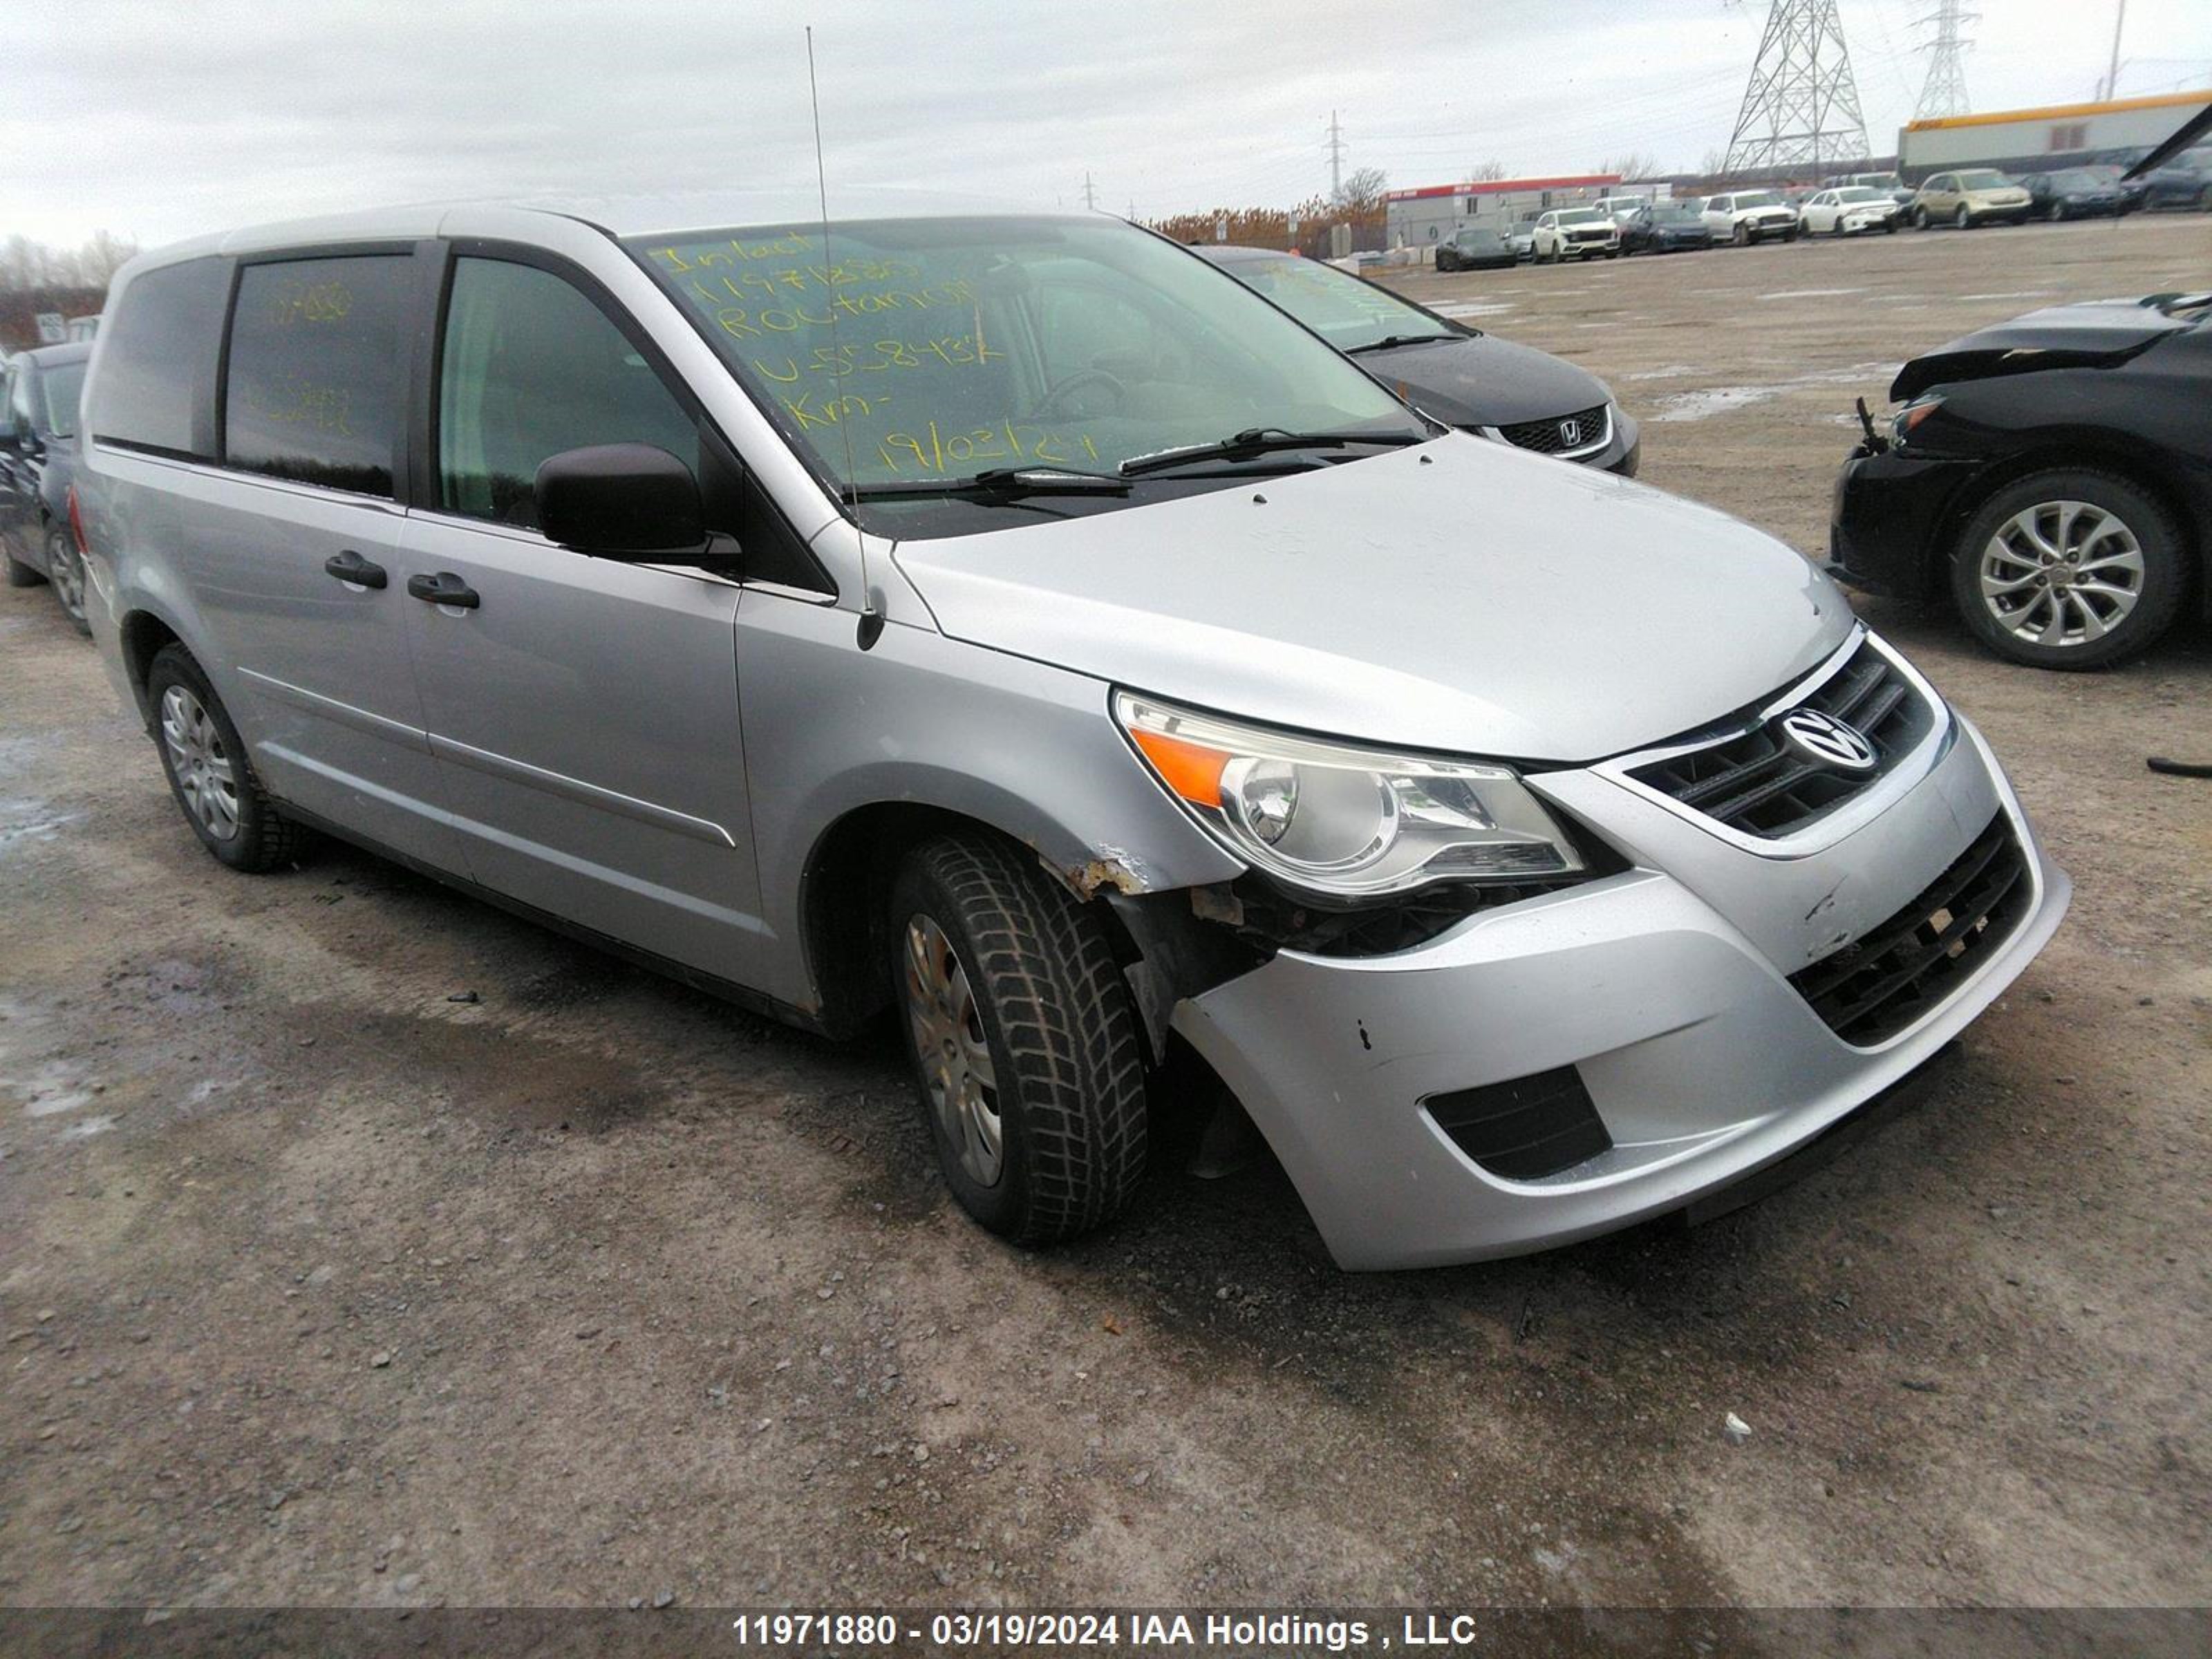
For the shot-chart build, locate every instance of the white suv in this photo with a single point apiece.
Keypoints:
(1746, 216)
(1579, 233)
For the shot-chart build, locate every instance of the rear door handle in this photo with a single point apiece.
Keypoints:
(444, 588)
(350, 567)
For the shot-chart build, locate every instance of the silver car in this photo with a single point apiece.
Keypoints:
(1009, 621)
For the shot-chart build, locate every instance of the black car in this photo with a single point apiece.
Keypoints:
(2073, 193)
(1665, 227)
(2183, 182)
(2054, 473)
(2132, 190)
(1458, 374)
(38, 458)
(1475, 250)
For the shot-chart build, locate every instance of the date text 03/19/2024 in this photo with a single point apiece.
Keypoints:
(1062, 1629)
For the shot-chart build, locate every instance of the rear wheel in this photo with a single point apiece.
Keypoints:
(1962, 219)
(2055, 212)
(209, 773)
(66, 572)
(1028, 1061)
(2069, 568)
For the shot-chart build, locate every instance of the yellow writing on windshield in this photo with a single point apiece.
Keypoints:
(934, 445)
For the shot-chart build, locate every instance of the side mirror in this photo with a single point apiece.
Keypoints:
(620, 500)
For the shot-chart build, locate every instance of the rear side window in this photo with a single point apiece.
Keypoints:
(60, 389)
(318, 370)
(157, 361)
(531, 368)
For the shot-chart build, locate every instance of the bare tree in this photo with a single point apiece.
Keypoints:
(101, 257)
(1363, 188)
(1630, 165)
(26, 264)
(1483, 172)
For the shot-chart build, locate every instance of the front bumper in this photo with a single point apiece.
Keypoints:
(1888, 520)
(1665, 988)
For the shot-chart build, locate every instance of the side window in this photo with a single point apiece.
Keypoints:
(19, 402)
(318, 370)
(157, 368)
(531, 368)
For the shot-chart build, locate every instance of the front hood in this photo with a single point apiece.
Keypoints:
(1461, 597)
(1485, 381)
(2091, 334)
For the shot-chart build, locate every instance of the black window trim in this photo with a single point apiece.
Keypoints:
(384, 247)
(429, 357)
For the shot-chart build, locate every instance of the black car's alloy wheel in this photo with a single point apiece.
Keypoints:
(65, 570)
(2069, 568)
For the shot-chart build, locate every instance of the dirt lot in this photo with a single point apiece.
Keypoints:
(319, 1286)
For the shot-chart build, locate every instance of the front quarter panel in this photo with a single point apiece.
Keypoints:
(920, 720)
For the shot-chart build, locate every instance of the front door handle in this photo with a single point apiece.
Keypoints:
(444, 588)
(350, 567)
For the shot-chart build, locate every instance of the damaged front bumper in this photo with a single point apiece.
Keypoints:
(1660, 999)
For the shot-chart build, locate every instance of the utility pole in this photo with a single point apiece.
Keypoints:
(1945, 91)
(1335, 158)
(2112, 75)
(1801, 107)
(1090, 196)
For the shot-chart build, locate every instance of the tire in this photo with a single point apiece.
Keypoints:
(1740, 235)
(1962, 220)
(2131, 606)
(1791, 234)
(66, 571)
(1920, 218)
(244, 829)
(19, 574)
(989, 958)
(1889, 227)
(2056, 213)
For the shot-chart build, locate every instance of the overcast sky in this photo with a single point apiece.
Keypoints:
(160, 120)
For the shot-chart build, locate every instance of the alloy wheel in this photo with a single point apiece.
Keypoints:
(2061, 574)
(954, 1054)
(199, 762)
(65, 572)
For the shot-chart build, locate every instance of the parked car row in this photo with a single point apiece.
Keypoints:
(1245, 794)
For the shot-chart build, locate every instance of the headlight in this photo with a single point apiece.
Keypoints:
(1911, 415)
(1334, 818)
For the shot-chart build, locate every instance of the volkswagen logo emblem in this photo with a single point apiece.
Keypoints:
(1824, 739)
(1570, 433)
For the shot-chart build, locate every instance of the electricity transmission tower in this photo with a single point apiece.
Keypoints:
(1090, 196)
(1801, 107)
(1335, 158)
(1945, 91)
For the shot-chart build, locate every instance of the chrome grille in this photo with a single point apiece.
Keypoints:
(1754, 779)
(1592, 429)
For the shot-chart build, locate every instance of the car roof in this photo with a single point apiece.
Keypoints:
(618, 215)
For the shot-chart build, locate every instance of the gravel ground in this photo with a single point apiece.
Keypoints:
(359, 1245)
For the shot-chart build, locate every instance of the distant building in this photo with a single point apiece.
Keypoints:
(1422, 218)
(2034, 140)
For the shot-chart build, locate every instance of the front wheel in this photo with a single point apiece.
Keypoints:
(1742, 234)
(65, 570)
(210, 773)
(1920, 218)
(1962, 219)
(2069, 568)
(1027, 1056)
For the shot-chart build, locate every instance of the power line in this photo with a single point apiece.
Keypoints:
(1944, 92)
(1800, 106)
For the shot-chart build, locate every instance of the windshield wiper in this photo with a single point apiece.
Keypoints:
(1261, 441)
(996, 483)
(1390, 340)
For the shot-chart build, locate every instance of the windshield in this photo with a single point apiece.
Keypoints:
(61, 388)
(1675, 215)
(1754, 198)
(1583, 216)
(2075, 179)
(926, 351)
(1984, 179)
(1481, 238)
(1348, 313)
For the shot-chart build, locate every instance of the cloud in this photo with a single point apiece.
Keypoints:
(165, 121)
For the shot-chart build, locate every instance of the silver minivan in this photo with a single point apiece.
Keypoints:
(1007, 621)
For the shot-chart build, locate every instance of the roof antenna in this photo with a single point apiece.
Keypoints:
(872, 619)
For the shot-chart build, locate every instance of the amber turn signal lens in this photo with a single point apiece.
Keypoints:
(1191, 769)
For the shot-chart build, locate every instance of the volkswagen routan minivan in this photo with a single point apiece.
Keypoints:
(1008, 621)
